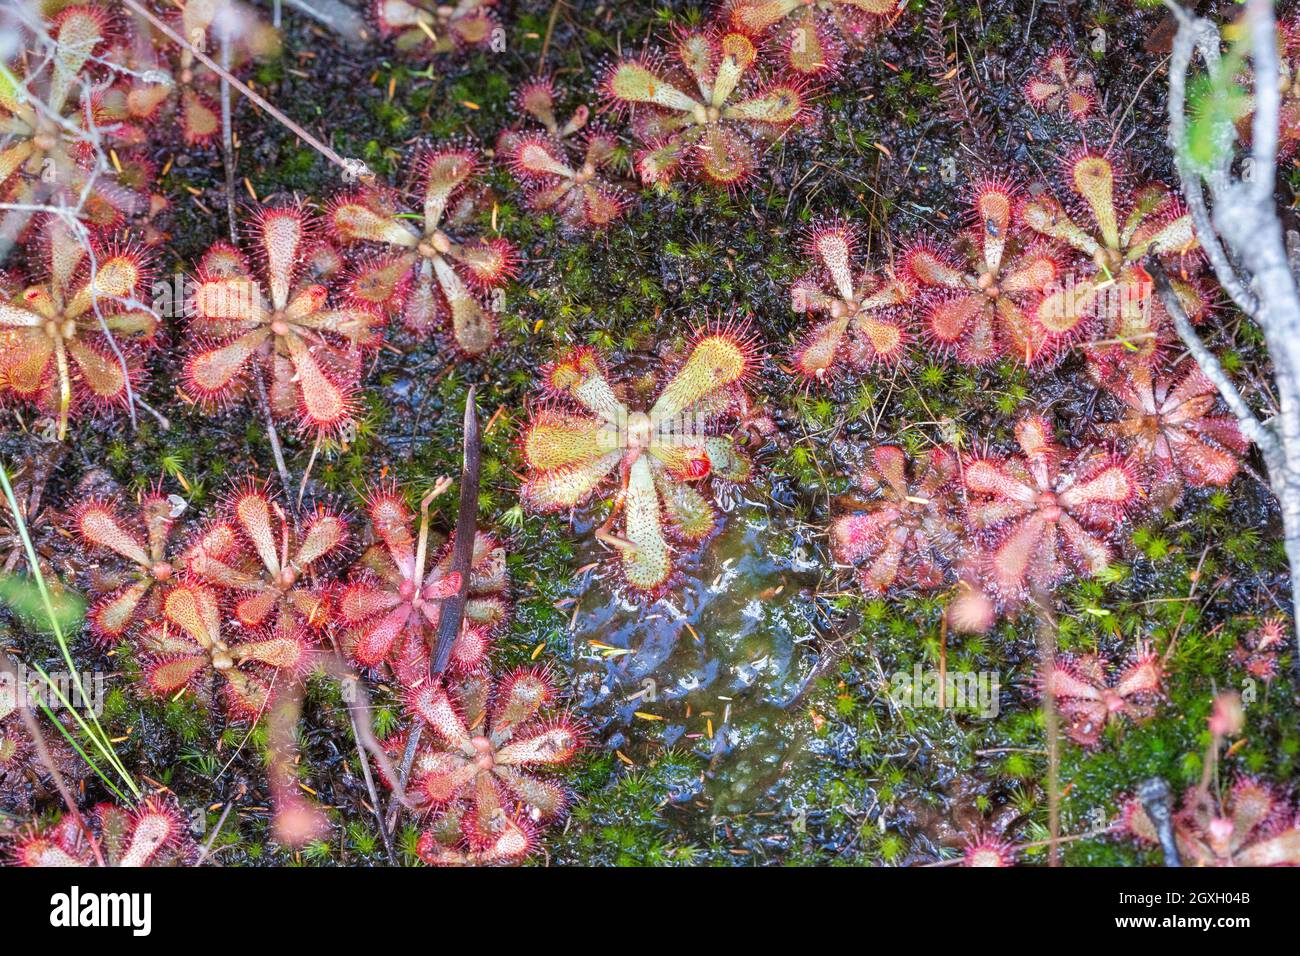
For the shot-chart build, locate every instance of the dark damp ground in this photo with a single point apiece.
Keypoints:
(744, 718)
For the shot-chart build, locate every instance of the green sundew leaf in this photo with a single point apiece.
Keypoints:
(24, 599)
(1215, 101)
(11, 90)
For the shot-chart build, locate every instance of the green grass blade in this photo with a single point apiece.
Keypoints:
(93, 730)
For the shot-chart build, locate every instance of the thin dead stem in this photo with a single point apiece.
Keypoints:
(43, 754)
(348, 166)
(1047, 636)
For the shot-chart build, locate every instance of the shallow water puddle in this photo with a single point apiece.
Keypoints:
(713, 666)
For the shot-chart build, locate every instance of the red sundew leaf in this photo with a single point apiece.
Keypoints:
(778, 105)
(215, 372)
(1034, 436)
(488, 262)
(551, 745)
(110, 618)
(1092, 553)
(27, 363)
(1080, 103)
(230, 298)
(1201, 463)
(930, 266)
(367, 217)
(375, 641)
(99, 371)
(443, 587)
(1111, 485)
(723, 157)
(536, 97)
(470, 648)
(521, 693)
(835, 248)
(322, 535)
(46, 852)
(855, 537)
(993, 206)
(282, 651)
(1143, 676)
(252, 510)
(816, 355)
(1010, 563)
(487, 611)
(256, 608)
(210, 553)
(385, 281)
(117, 277)
(311, 605)
(444, 173)
(950, 318)
(361, 601)
(632, 82)
(534, 157)
(601, 205)
(443, 777)
(1062, 682)
(514, 842)
(100, 524)
(556, 439)
(303, 309)
(432, 705)
(986, 477)
(200, 121)
(325, 405)
(193, 608)
(154, 828)
(80, 32)
(391, 519)
(166, 677)
(1093, 179)
(223, 261)
(281, 234)
(814, 47)
(1039, 91)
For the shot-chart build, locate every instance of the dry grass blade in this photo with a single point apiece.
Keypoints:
(453, 609)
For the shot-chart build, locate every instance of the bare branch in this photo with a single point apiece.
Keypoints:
(365, 739)
(1250, 426)
(1268, 98)
(1157, 801)
(228, 140)
(1196, 33)
(216, 832)
(264, 405)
